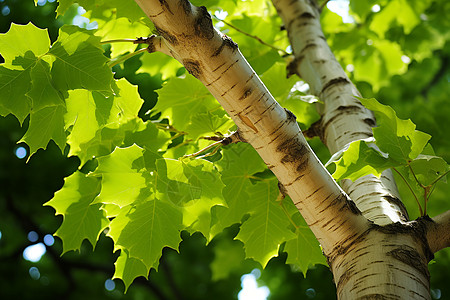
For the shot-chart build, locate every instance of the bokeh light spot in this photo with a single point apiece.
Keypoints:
(110, 285)
(33, 236)
(34, 273)
(21, 152)
(49, 240)
(34, 252)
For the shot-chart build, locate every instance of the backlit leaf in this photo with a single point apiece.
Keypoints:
(81, 218)
(145, 229)
(267, 226)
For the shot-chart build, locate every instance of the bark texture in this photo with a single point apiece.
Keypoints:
(344, 118)
(186, 33)
(374, 255)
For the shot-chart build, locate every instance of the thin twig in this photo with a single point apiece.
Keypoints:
(410, 188)
(118, 41)
(253, 37)
(117, 61)
(414, 174)
(439, 178)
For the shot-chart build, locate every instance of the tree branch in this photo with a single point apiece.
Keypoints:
(344, 119)
(216, 61)
(438, 232)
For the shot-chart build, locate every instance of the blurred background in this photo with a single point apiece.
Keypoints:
(31, 265)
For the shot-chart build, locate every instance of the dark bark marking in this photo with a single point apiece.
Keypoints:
(221, 65)
(166, 35)
(293, 65)
(314, 130)
(203, 24)
(166, 5)
(335, 81)
(232, 87)
(247, 92)
(376, 297)
(370, 122)
(186, 6)
(282, 189)
(349, 108)
(353, 208)
(250, 78)
(229, 67)
(352, 109)
(296, 179)
(193, 67)
(290, 115)
(294, 151)
(358, 133)
(240, 136)
(226, 42)
(410, 257)
(310, 45)
(307, 15)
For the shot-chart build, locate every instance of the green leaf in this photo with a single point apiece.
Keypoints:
(304, 250)
(158, 63)
(122, 176)
(128, 268)
(428, 168)
(399, 11)
(46, 124)
(89, 112)
(197, 214)
(181, 98)
(239, 162)
(195, 185)
(43, 93)
(268, 224)
(82, 219)
(277, 82)
(145, 229)
(359, 160)
(122, 28)
(204, 124)
(81, 114)
(14, 84)
(398, 138)
(23, 38)
(302, 106)
(148, 136)
(129, 9)
(79, 62)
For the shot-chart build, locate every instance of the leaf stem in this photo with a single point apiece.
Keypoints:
(118, 41)
(439, 178)
(204, 149)
(414, 174)
(116, 61)
(410, 188)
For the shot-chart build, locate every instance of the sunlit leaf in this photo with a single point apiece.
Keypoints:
(81, 218)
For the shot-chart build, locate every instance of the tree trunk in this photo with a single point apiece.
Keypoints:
(373, 252)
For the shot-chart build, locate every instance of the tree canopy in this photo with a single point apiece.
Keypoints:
(131, 148)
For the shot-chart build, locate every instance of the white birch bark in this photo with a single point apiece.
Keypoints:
(187, 34)
(368, 261)
(344, 118)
